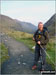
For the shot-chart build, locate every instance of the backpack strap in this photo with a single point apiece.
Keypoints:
(44, 33)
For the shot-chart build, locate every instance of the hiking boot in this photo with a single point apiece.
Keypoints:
(34, 67)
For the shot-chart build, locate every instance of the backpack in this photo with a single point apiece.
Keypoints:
(45, 28)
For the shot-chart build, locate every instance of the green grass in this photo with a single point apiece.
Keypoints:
(51, 51)
(3, 53)
(27, 40)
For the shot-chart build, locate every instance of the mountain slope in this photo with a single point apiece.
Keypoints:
(50, 24)
(7, 22)
(27, 27)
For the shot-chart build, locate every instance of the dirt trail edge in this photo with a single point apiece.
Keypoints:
(21, 58)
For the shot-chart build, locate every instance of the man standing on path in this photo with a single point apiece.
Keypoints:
(41, 37)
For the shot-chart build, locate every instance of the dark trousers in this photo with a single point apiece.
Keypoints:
(40, 52)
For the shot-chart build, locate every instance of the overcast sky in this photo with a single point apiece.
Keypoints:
(29, 11)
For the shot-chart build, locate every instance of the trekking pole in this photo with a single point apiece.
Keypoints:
(47, 54)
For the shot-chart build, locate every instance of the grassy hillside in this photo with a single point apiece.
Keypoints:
(8, 23)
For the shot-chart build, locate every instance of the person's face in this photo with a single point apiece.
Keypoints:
(40, 27)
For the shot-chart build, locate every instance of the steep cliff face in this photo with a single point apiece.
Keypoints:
(50, 24)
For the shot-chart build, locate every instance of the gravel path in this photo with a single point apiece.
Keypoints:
(21, 58)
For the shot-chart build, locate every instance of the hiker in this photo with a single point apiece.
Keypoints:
(41, 37)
